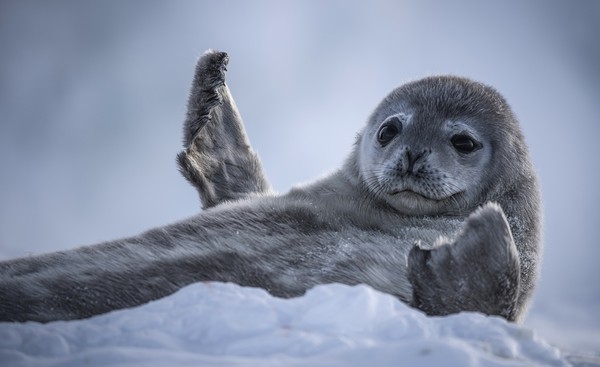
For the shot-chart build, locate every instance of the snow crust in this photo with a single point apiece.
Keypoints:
(228, 325)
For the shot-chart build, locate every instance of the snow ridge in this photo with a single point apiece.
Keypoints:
(228, 325)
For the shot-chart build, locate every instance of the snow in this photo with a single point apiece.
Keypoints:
(228, 325)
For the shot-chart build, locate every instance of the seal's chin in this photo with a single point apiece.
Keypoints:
(415, 197)
(415, 203)
(411, 202)
(406, 193)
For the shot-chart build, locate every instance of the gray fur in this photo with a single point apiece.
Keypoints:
(218, 159)
(466, 276)
(358, 225)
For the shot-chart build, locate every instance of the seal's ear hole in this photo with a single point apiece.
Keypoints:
(465, 144)
(388, 130)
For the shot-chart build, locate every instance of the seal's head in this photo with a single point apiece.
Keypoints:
(441, 145)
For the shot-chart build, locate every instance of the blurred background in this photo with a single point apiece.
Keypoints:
(93, 96)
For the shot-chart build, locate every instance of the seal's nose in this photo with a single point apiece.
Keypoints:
(410, 161)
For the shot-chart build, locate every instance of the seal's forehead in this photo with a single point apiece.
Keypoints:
(444, 97)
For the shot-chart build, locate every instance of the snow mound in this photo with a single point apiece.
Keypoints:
(228, 325)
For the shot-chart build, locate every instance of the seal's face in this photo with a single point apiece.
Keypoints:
(427, 150)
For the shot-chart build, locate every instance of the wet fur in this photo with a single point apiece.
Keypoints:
(476, 256)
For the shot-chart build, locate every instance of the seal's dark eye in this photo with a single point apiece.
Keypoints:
(465, 144)
(389, 130)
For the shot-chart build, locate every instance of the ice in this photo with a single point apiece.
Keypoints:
(224, 324)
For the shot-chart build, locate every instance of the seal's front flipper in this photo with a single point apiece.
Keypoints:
(478, 272)
(218, 159)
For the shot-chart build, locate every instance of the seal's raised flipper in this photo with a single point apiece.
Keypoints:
(218, 159)
(478, 272)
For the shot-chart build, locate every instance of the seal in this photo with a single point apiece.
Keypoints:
(437, 204)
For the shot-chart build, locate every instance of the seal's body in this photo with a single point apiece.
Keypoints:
(437, 204)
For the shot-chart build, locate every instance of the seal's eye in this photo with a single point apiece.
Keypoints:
(465, 144)
(389, 130)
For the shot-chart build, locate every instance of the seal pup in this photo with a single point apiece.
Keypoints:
(212, 113)
(399, 216)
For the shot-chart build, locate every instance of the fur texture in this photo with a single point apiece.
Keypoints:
(218, 159)
(400, 215)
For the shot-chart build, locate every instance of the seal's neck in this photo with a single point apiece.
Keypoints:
(350, 169)
(343, 191)
(345, 182)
